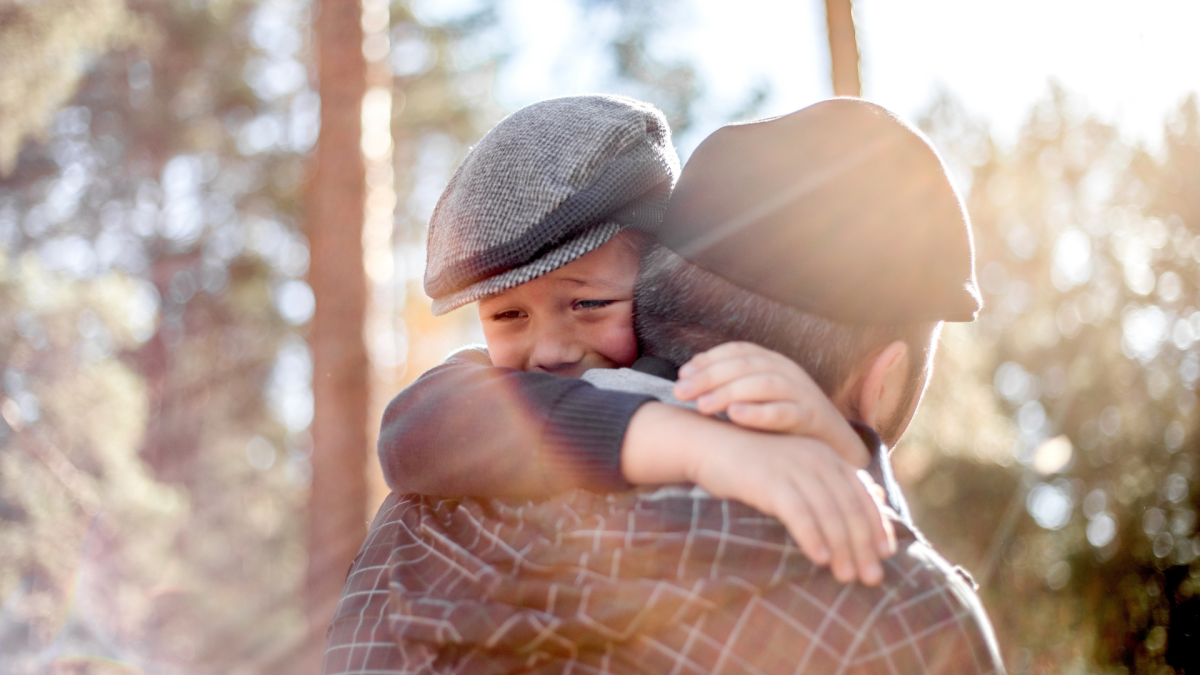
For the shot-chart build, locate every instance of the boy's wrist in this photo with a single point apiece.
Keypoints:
(585, 434)
(659, 447)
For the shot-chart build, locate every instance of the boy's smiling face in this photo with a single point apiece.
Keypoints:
(578, 317)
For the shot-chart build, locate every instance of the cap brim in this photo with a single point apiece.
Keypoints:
(556, 258)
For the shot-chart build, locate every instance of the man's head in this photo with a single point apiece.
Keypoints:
(875, 374)
(831, 235)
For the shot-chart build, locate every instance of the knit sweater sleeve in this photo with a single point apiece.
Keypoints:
(467, 428)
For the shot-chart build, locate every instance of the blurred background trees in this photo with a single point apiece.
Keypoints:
(178, 398)
(155, 446)
(156, 452)
(1056, 454)
(43, 47)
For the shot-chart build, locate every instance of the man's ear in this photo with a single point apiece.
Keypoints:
(880, 384)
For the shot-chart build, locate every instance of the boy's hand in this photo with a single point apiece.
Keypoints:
(761, 389)
(825, 503)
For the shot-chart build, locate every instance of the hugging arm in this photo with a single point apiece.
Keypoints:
(765, 390)
(469, 428)
(825, 503)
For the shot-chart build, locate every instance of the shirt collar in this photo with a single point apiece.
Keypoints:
(880, 469)
(652, 365)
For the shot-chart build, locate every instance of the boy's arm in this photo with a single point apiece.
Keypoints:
(825, 503)
(764, 390)
(469, 428)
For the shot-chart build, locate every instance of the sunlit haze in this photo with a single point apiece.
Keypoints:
(1126, 61)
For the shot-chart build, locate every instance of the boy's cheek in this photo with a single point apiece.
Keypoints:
(618, 343)
(502, 359)
(627, 354)
(504, 349)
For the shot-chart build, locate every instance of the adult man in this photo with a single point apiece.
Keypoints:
(830, 236)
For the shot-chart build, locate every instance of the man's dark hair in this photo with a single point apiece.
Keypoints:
(682, 310)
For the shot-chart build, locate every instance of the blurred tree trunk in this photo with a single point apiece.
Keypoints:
(337, 515)
(843, 48)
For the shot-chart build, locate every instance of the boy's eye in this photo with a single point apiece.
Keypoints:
(591, 304)
(509, 315)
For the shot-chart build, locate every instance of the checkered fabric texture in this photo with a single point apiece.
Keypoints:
(551, 182)
(664, 581)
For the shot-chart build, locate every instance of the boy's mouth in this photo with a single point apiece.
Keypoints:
(576, 368)
(565, 369)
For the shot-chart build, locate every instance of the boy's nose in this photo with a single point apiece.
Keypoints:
(554, 352)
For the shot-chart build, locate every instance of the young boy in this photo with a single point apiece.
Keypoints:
(544, 224)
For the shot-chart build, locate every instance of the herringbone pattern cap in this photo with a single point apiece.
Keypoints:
(551, 182)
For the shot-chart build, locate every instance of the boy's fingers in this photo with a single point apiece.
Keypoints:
(794, 512)
(719, 373)
(756, 378)
(721, 352)
(873, 497)
(815, 419)
(776, 416)
(845, 488)
(848, 445)
(749, 388)
(877, 491)
(832, 523)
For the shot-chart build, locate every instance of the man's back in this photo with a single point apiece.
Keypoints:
(664, 581)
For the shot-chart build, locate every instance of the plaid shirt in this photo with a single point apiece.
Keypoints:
(663, 581)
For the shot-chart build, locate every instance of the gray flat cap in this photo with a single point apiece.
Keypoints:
(551, 182)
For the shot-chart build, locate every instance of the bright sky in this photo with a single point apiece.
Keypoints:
(1127, 59)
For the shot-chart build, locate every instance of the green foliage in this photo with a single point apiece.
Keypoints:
(153, 494)
(45, 48)
(154, 381)
(1087, 253)
(78, 503)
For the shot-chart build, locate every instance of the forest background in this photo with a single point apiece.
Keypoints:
(205, 202)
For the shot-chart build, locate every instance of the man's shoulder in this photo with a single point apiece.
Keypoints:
(931, 612)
